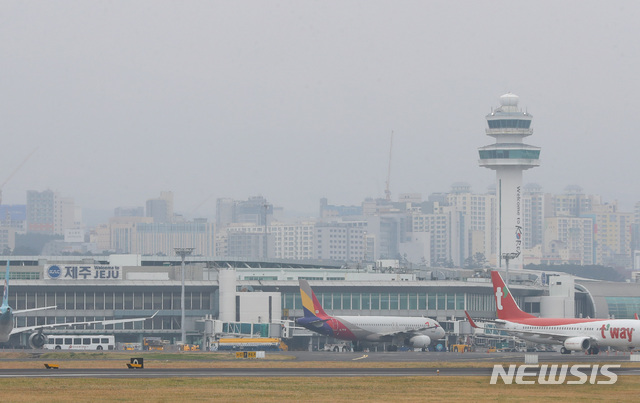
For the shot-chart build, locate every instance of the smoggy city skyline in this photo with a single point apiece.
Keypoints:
(296, 101)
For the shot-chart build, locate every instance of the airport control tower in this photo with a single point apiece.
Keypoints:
(509, 156)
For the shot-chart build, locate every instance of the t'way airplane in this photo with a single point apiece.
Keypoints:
(573, 334)
(417, 332)
(37, 340)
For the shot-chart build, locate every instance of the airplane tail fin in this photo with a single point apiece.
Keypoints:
(471, 322)
(506, 306)
(310, 304)
(5, 294)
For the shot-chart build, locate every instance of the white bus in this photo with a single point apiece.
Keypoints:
(80, 342)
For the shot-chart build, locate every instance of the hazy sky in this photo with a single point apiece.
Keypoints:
(296, 100)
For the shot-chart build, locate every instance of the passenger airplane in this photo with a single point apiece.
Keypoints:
(415, 332)
(587, 335)
(37, 340)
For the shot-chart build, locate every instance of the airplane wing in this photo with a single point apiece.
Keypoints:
(541, 333)
(93, 322)
(409, 332)
(34, 309)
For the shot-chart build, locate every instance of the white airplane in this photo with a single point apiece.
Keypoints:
(573, 334)
(417, 332)
(38, 339)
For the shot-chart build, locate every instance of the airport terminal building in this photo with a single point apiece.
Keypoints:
(266, 293)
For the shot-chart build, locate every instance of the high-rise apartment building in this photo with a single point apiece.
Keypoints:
(438, 227)
(612, 235)
(479, 212)
(48, 213)
(573, 202)
(161, 209)
(341, 241)
(534, 207)
(568, 240)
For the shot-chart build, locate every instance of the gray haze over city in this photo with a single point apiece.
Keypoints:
(296, 100)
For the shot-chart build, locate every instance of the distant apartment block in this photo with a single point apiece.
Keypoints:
(437, 225)
(568, 240)
(14, 216)
(7, 240)
(535, 204)
(476, 214)
(161, 209)
(612, 235)
(48, 213)
(573, 203)
(161, 238)
(293, 241)
(141, 235)
(339, 241)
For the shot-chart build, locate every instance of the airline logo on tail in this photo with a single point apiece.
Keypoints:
(310, 303)
(506, 306)
(500, 295)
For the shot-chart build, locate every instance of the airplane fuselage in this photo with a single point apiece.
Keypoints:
(375, 328)
(620, 334)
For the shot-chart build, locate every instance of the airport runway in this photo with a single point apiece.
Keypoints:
(492, 358)
(257, 372)
(436, 358)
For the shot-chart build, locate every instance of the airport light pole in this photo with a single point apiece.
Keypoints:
(182, 252)
(507, 257)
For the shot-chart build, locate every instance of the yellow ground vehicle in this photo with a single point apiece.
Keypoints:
(252, 344)
(461, 348)
(189, 347)
(153, 343)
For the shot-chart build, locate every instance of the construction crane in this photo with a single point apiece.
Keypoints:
(387, 192)
(15, 171)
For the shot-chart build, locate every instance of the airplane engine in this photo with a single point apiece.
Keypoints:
(421, 341)
(577, 343)
(37, 340)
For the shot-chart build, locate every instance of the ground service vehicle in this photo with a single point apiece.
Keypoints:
(252, 344)
(462, 348)
(153, 343)
(337, 347)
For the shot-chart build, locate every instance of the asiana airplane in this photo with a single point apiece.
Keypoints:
(38, 339)
(416, 332)
(573, 334)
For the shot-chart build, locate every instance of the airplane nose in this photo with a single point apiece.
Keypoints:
(440, 333)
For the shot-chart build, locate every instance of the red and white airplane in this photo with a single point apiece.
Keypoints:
(587, 335)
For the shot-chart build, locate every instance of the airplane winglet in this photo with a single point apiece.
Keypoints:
(473, 324)
(636, 315)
